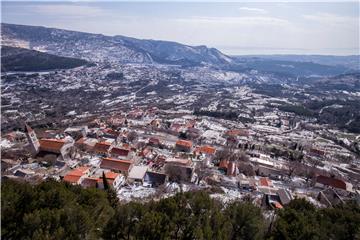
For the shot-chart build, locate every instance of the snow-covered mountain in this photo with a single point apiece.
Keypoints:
(98, 47)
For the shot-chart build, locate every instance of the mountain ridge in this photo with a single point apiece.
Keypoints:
(69, 43)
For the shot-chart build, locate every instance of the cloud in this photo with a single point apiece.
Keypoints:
(248, 21)
(328, 18)
(257, 10)
(69, 10)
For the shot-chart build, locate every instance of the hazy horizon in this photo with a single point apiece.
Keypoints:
(233, 28)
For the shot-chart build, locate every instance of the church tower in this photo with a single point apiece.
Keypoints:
(32, 139)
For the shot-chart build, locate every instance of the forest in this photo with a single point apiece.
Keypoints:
(21, 59)
(55, 210)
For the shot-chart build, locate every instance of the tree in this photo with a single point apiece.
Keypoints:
(110, 191)
(246, 221)
(176, 173)
(105, 181)
(52, 210)
(132, 136)
(202, 171)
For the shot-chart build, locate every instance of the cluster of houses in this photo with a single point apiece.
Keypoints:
(122, 152)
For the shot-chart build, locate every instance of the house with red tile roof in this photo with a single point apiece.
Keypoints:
(119, 152)
(116, 165)
(113, 178)
(102, 147)
(90, 182)
(76, 175)
(207, 150)
(265, 182)
(237, 132)
(154, 142)
(183, 145)
(322, 181)
(229, 167)
(57, 146)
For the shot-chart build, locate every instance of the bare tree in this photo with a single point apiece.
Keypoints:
(202, 171)
(294, 167)
(176, 173)
(246, 168)
(132, 136)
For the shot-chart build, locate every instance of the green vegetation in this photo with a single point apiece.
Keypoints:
(21, 59)
(301, 220)
(299, 110)
(228, 115)
(53, 210)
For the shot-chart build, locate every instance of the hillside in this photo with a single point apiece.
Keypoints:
(21, 59)
(97, 47)
(53, 210)
(301, 67)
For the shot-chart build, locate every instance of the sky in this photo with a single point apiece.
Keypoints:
(235, 28)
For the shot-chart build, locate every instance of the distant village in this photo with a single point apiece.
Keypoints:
(150, 154)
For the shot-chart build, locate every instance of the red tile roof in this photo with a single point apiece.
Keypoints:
(278, 205)
(184, 143)
(119, 151)
(51, 145)
(237, 132)
(102, 147)
(72, 178)
(333, 182)
(265, 182)
(111, 175)
(116, 164)
(74, 175)
(89, 182)
(207, 150)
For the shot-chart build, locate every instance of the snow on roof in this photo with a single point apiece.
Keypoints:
(138, 172)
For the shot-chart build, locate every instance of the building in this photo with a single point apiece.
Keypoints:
(229, 167)
(183, 145)
(179, 169)
(155, 142)
(116, 165)
(60, 147)
(77, 132)
(207, 150)
(137, 174)
(155, 179)
(32, 139)
(114, 179)
(322, 181)
(237, 132)
(119, 152)
(90, 182)
(329, 197)
(77, 175)
(102, 147)
(285, 196)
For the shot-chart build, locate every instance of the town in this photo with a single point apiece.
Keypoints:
(151, 154)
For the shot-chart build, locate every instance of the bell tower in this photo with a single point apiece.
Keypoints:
(32, 139)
